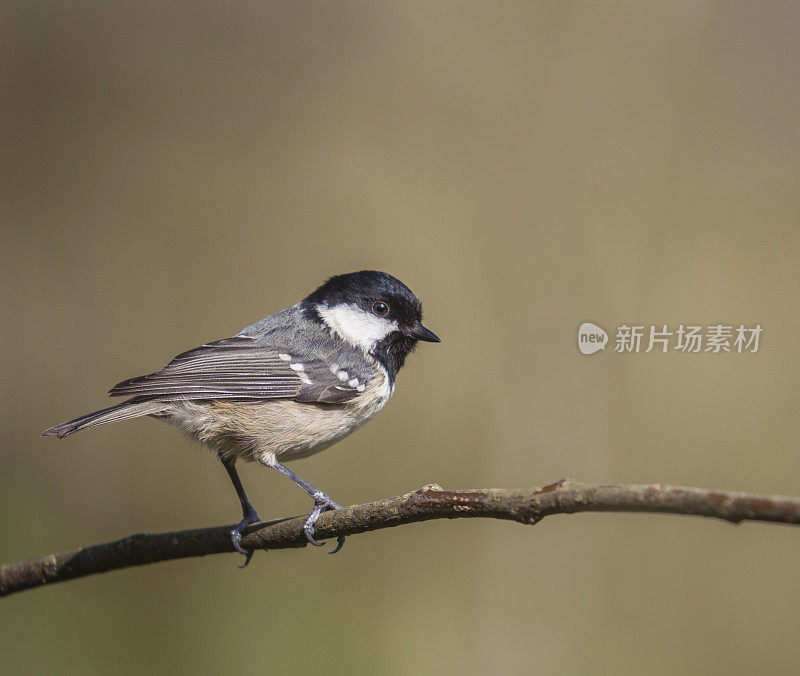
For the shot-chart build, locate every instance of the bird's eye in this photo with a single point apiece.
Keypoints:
(380, 308)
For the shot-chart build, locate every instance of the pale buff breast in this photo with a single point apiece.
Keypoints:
(285, 429)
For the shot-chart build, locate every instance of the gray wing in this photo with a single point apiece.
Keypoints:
(241, 368)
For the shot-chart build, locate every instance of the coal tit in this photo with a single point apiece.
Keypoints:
(286, 387)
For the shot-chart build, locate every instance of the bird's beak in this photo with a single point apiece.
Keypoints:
(419, 332)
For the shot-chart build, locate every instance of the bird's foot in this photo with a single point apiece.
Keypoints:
(322, 503)
(250, 517)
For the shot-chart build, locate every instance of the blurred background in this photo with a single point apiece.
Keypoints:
(173, 172)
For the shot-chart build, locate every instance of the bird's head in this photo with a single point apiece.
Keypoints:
(373, 311)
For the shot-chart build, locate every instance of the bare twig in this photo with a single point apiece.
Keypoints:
(430, 502)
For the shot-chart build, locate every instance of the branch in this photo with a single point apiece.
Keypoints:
(526, 506)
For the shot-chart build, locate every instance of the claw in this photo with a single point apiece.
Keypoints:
(248, 557)
(236, 536)
(308, 526)
(322, 503)
(312, 541)
(340, 541)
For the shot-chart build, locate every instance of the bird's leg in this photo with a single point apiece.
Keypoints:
(249, 514)
(322, 502)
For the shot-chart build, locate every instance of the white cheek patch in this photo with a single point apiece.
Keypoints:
(354, 325)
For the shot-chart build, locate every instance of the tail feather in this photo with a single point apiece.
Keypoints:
(124, 411)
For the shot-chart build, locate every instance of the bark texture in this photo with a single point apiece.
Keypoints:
(525, 505)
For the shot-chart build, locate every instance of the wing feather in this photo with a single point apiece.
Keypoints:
(238, 368)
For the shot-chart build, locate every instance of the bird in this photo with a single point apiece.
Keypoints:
(286, 387)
